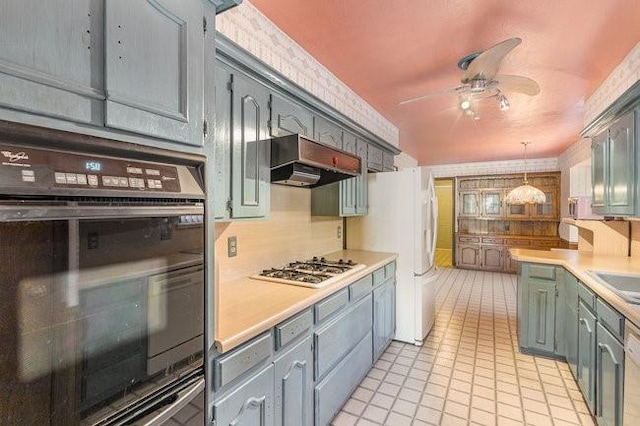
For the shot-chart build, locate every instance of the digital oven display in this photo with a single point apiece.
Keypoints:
(93, 166)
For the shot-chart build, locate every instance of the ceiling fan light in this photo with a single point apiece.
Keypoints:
(478, 85)
(503, 102)
(465, 104)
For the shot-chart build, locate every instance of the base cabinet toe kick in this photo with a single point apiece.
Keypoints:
(303, 370)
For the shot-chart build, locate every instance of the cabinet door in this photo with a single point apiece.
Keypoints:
(251, 404)
(542, 311)
(51, 58)
(598, 158)
(468, 256)
(288, 117)
(250, 164)
(491, 258)
(510, 264)
(620, 177)
(586, 354)
(294, 386)
(361, 181)
(349, 187)
(327, 133)
(374, 159)
(571, 322)
(492, 203)
(222, 142)
(518, 211)
(610, 378)
(549, 209)
(154, 61)
(468, 203)
(383, 317)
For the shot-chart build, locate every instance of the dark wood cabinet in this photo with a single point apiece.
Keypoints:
(488, 227)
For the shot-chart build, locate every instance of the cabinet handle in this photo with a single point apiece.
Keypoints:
(584, 321)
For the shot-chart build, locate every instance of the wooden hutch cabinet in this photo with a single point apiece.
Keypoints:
(487, 227)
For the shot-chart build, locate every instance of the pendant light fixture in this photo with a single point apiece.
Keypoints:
(525, 193)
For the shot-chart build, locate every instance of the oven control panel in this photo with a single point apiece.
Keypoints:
(26, 167)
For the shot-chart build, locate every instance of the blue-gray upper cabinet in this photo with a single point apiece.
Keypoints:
(348, 197)
(613, 168)
(154, 61)
(288, 117)
(241, 146)
(51, 60)
(375, 159)
(326, 132)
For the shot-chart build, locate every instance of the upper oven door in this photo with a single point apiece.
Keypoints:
(85, 301)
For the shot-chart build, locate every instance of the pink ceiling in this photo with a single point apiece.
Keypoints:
(388, 51)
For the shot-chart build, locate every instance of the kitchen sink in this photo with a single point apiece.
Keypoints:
(627, 286)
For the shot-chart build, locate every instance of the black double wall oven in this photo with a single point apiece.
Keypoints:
(101, 288)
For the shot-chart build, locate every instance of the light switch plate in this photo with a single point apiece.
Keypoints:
(232, 246)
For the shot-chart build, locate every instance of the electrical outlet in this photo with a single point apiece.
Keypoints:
(232, 246)
(339, 232)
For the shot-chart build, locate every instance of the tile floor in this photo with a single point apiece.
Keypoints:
(469, 370)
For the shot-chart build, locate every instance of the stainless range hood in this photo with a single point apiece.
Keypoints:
(299, 161)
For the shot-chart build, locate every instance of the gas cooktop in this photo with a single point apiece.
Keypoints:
(315, 273)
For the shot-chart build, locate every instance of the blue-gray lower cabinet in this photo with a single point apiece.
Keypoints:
(542, 315)
(294, 385)
(383, 317)
(334, 340)
(609, 378)
(250, 404)
(587, 354)
(332, 391)
(571, 322)
(540, 309)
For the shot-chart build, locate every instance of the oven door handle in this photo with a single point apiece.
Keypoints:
(184, 397)
(66, 212)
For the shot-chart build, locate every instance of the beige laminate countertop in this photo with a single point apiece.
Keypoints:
(248, 307)
(578, 263)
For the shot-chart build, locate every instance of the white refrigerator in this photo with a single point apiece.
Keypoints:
(402, 218)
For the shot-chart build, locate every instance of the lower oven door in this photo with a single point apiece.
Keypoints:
(101, 313)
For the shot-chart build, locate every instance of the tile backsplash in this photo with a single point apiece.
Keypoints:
(289, 233)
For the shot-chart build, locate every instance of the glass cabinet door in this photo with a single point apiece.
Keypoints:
(549, 207)
(492, 203)
(518, 210)
(468, 204)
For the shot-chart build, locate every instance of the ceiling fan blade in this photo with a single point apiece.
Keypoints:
(517, 83)
(432, 94)
(486, 65)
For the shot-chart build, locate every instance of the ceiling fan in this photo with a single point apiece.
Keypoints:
(481, 79)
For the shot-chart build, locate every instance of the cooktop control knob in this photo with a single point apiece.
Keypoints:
(323, 259)
(315, 258)
(340, 261)
(349, 262)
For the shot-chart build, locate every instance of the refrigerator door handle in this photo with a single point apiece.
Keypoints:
(184, 397)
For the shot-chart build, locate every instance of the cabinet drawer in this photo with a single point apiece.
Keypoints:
(518, 242)
(545, 244)
(491, 240)
(330, 305)
(389, 270)
(587, 296)
(610, 318)
(468, 239)
(229, 367)
(335, 340)
(332, 392)
(378, 276)
(360, 288)
(542, 272)
(292, 328)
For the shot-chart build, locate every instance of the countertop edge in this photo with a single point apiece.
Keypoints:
(227, 343)
(571, 262)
